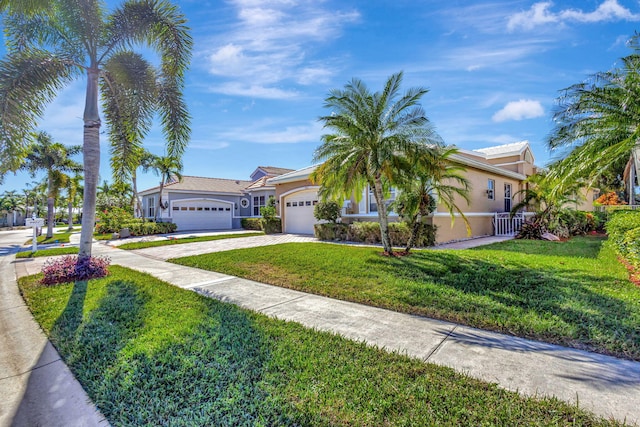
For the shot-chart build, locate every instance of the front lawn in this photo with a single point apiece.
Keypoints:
(58, 237)
(148, 353)
(181, 240)
(572, 293)
(48, 252)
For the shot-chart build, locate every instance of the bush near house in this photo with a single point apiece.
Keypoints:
(369, 232)
(115, 219)
(563, 223)
(251, 223)
(623, 229)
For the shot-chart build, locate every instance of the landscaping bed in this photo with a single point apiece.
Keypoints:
(148, 353)
(573, 293)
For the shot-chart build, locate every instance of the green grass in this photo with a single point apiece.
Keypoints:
(103, 236)
(148, 353)
(178, 241)
(572, 293)
(58, 237)
(48, 252)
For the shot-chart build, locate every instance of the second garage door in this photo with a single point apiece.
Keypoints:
(298, 212)
(202, 215)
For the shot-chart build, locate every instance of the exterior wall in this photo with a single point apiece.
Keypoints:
(175, 196)
(479, 201)
(481, 225)
(286, 187)
(586, 203)
(258, 193)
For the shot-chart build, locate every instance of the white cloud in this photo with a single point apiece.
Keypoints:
(519, 110)
(272, 132)
(270, 48)
(541, 14)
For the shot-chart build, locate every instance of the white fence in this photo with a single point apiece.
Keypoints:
(506, 225)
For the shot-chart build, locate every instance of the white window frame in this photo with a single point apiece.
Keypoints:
(151, 206)
(491, 189)
(258, 202)
(508, 200)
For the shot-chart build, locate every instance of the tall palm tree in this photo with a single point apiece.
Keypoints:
(50, 43)
(74, 189)
(167, 168)
(53, 158)
(374, 137)
(598, 121)
(434, 179)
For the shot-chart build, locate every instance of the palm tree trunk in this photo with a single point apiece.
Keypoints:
(159, 200)
(50, 207)
(382, 217)
(416, 223)
(137, 203)
(70, 216)
(91, 161)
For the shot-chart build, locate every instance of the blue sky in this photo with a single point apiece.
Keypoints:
(261, 70)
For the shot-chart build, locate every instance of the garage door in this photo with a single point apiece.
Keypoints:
(202, 215)
(298, 216)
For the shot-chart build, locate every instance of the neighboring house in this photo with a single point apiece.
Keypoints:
(496, 175)
(199, 203)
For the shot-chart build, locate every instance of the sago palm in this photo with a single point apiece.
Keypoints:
(51, 43)
(374, 136)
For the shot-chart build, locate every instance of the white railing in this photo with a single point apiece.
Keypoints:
(506, 225)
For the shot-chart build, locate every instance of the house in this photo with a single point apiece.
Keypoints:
(496, 175)
(196, 203)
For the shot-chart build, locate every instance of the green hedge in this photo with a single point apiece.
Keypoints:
(140, 228)
(369, 232)
(271, 225)
(623, 229)
(251, 223)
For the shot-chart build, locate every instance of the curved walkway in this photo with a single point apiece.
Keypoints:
(607, 386)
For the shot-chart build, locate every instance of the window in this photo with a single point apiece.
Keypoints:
(507, 197)
(373, 206)
(258, 202)
(307, 203)
(244, 203)
(175, 208)
(151, 207)
(491, 188)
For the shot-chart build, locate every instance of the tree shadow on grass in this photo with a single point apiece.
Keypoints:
(556, 305)
(211, 373)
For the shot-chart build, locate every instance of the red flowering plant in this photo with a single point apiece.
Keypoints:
(71, 268)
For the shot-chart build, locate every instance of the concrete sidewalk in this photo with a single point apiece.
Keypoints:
(607, 386)
(36, 387)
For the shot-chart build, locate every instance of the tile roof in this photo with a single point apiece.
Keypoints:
(272, 170)
(260, 183)
(298, 175)
(504, 150)
(198, 183)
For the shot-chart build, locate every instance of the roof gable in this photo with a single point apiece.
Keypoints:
(269, 171)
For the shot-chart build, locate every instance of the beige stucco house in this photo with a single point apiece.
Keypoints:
(496, 174)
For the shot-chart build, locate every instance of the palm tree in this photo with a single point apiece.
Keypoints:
(74, 189)
(375, 136)
(434, 179)
(599, 122)
(11, 203)
(53, 158)
(50, 43)
(167, 168)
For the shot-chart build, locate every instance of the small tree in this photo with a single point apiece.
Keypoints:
(327, 211)
(270, 222)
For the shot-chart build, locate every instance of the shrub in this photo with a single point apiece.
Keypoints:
(630, 246)
(327, 211)
(331, 232)
(71, 268)
(271, 225)
(369, 232)
(365, 232)
(619, 223)
(251, 223)
(609, 199)
(531, 230)
(112, 219)
(139, 228)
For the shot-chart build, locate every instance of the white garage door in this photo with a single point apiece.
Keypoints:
(298, 216)
(202, 215)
